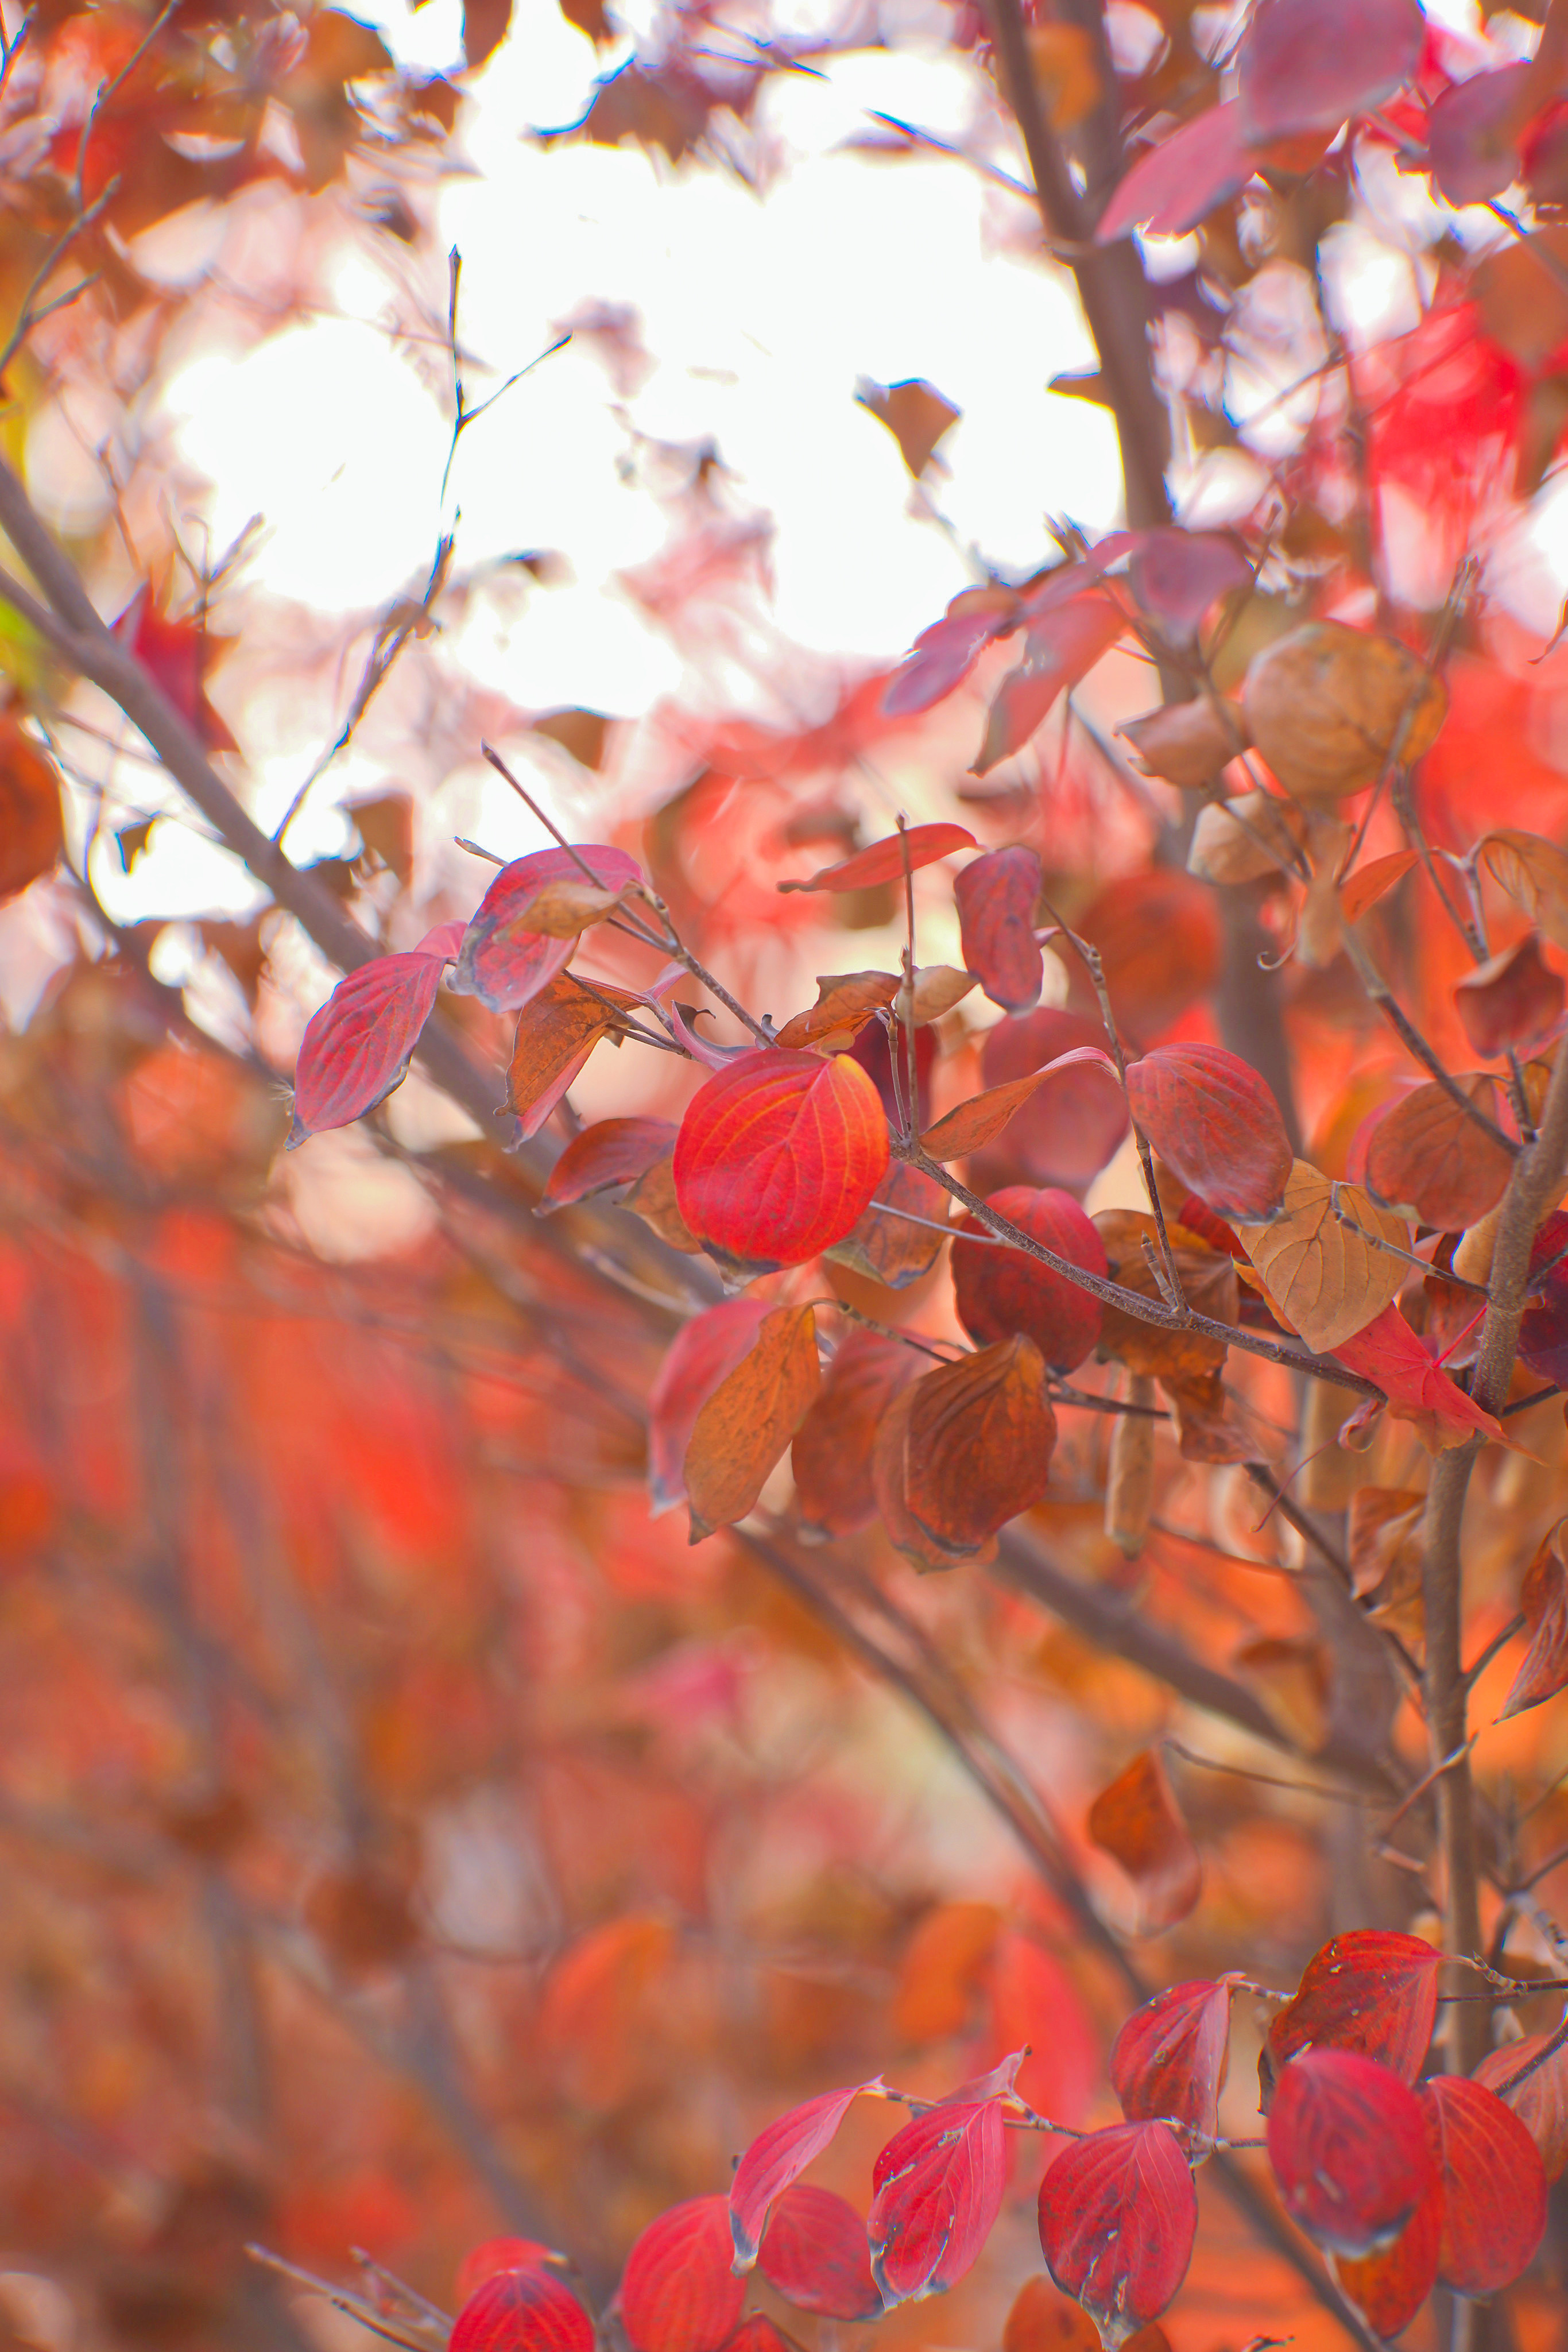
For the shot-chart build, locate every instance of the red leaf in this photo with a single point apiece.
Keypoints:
(1072, 1128)
(945, 652)
(1000, 1291)
(1306, 64)
(1176, 575)
(445, 942)
(700, 1356)
(615, 1151)
(527, 2309)
(503, 963)
(1417, 1388)
(176, 655)
(1118, 2215)
(1034, 2002)
(1390, 2286)
(1531, 2077)
(814, 2251)
(1472, 134)
(1369, 1991)
(1136, 1821)
(1060, 647)
(678, 2292)
(492, 2254)
(776, 2159)
(1494, 2183)
(1169, 2058)
(1543, 1671)
(1215, 1122)
(1348, 2144)
(1172, 187)
(1159, 941)
(357, 1048)
(939, 2188)
(997, 896)
(778, 1155)
(1514, 1001)
(886, 861)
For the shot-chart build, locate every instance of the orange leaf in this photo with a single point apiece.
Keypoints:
(832, 1457)
(887, 861)
(749, 1419)
(1135, 1821)
(1544, 1602)
(1363, 889)
(1424, 1155)
(978, 1446)
(30, 836)
(556, 1031)
(975, 1122)
(846, 1002)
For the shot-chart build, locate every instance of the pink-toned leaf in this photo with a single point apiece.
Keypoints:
(701, 1355)
(1348, 2143)
(1544, 1598)
(1213, 1121)
(1417, 1388)
(1118, 2215)
(944, 654)
(357, 1048)
(1370, 1991)
(699, 1045)
(1173, 186)
(678, 2292)
(1494, 2183)
(1169, 2062)
(1473, 132)
(1531, 2077)
(1306, 64)
(886, 861)
(778, 1157)
(997, 896)
(815, 2253)
(503, 962)
(776, 2159)
(445, 942)
(1176, 575)
(525, 2310)
(939, 2187)
(1060, 647)
(615, 1151)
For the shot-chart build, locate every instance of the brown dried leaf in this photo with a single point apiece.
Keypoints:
(1292, 1680)
(916, 416)
(1534, 873)
(1243, 839)
(1427, 1157)
(1544, 1602)
(1328, 704)
(975, 1123)
(1188, 743)
(889, 1464)
(750, 1418)
(1513, 1000)
(1325, 1278)
(1137, 1823)
(979, 1443)
(654, 1198)
(846, 1002)
(1208, 1283)
(1385, 1537)
(831, 1458)
(891, 1248)
(556, 1030)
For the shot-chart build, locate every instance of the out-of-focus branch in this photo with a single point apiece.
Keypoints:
(1533, 1188)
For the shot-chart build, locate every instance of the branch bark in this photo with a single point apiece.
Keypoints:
(1533, 1188)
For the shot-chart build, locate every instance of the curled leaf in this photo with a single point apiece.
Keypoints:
(887, 861)
(507, 956)
(556, 1031)
(846, 1002)
(1066, 1133)
(1189, 743)
(997, 896)
(1327, 705)
(1543, 1600)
